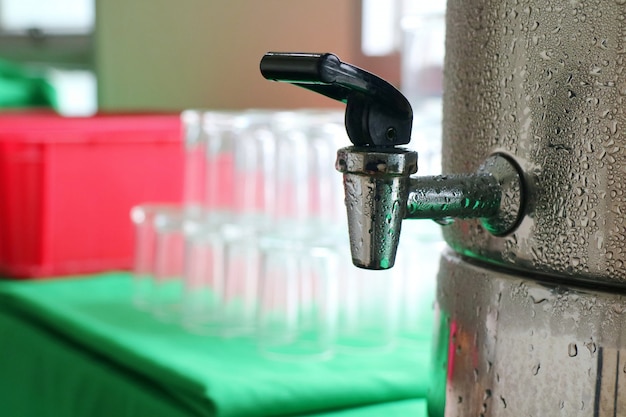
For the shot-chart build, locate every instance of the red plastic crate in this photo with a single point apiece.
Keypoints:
(67, 186)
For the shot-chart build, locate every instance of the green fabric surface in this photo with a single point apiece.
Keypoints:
(42, 375)
(205, 376)
(406, 408)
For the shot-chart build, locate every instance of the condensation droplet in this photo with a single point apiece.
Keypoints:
(546, 55)
(535, 369)
(444, 221)
(572, 350)
(595, 71)
(487, 395)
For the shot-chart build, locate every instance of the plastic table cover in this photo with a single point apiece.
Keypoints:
(77, 347)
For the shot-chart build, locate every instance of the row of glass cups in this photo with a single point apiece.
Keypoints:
(260, 246)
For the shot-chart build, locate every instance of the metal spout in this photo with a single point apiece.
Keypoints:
(376, 183)
(380, 193)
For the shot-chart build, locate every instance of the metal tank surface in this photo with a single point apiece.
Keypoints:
(532, 322)
(512, 346)
(544, 82)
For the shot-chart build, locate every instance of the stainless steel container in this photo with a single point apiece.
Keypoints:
(515, 346)
(532, 322)
(543, 81)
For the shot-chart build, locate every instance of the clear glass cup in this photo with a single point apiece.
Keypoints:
(144, 257)
(194, 141)
(309, 197)
(418, 253)
(166, 293)
(254, 191)
(367, 308)
(241, 281)
(325, 133)
(297, 301)
(221, 131)
(204, 274)
(221, 282)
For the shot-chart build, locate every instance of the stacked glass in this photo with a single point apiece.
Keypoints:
(260, 247)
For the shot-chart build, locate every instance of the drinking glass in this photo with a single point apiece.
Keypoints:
(297, 301)
(142, 217)
(367, 309)
(166, 293)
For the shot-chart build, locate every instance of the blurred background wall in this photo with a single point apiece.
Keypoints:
(121, 55)
(164, 54)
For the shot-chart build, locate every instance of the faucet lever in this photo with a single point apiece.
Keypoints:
(377, 114)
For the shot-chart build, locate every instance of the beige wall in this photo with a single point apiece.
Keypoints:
(176, 54)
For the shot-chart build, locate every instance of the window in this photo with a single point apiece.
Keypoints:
(56, 32)
(48, 16)
(54, 36)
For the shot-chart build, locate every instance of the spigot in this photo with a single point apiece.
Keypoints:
(377, 175)
(376, 184)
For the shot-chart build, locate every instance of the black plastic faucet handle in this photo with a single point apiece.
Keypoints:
(377, 114)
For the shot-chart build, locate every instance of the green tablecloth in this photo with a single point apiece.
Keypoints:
(77, 347)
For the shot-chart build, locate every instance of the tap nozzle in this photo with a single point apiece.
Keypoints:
(376, 183)
(381, 193)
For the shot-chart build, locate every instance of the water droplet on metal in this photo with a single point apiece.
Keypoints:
(591, 346)
(546, 55)
(572, 350)
(444, 221)
(487, 395)
(535, 369)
